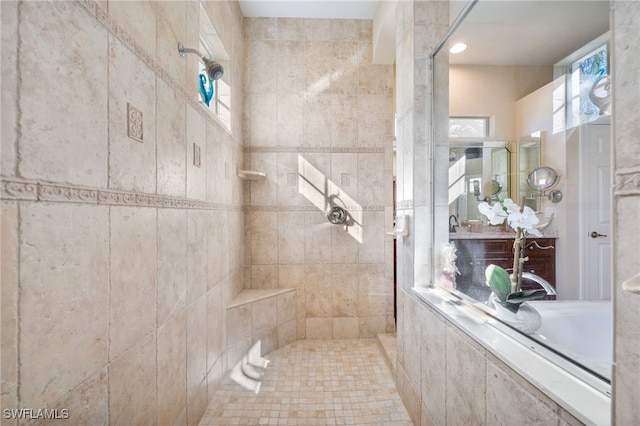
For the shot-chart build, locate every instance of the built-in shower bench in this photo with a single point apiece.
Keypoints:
(267, 315)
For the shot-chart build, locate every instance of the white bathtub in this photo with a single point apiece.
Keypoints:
(580, 330)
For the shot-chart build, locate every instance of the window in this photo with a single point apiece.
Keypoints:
(582, 74)
(215, 95)
(468, 127)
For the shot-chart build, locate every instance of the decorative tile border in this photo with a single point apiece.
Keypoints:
(313, 149)
(404, 205)
(309, 208)
(627, 181)
(21, 190)
(18, 190)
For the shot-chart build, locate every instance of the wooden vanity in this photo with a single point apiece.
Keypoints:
(478, 250)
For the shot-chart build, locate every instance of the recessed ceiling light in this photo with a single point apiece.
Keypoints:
(458, 47)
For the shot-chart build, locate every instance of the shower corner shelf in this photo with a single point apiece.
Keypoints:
(251, 175)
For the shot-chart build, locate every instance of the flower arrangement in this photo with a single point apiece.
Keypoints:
(523, 220)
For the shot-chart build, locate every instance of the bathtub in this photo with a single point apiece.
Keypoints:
(579, 330)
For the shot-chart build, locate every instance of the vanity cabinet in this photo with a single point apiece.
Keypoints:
(475, 254)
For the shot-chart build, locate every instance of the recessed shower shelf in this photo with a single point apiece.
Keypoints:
(251, 175)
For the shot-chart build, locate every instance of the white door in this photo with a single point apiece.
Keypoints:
(596, 210)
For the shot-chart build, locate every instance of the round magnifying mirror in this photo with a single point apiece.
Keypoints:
(542, 178)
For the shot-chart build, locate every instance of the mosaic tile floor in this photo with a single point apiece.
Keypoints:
(313, 382)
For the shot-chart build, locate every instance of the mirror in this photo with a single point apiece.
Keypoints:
(528, 72)
(478, 171)
(529, 157)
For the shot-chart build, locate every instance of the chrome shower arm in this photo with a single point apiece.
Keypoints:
(182, 50)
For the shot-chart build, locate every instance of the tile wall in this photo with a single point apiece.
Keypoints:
(319, 122)
(119, 256)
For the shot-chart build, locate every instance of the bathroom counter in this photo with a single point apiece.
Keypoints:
(490, 234)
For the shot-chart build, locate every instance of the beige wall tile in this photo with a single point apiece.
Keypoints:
(9, 97)
(132, 384)
(171, 137)
(290, 29)
(48, 144)
(372, 326)
(197, 404)
(466, 379)
(9, 247)
(132, 295)
(268, 339)
(344, 121)
(64, 270)
(344, 245)
(264, 315)
(290, 118)
(286, 307)
(264, 231)
(344, 67)
(317, 29)
(197, 262)
(346, 328)
(291, 231)
(375, 120)
(263, 112)
(238, 324)
(264, 192)
(218, 174)
(317, 239)
(264, 28)
(290, 73)
(261, 71)
(171, 28)
(317, 113)
(508, 402)
(132, 164)
(138, 19)
(372, 247)
(235, 351)
(264, 276)
(172, 368)
(87, 403)
(196, 357)
(289, 180)
(344, 29)
(433, 359)
(344, 291)
(319, 328)
(216, 326)
(317, 67)
(215, 375)
(318, 290)
(196, 135)
(172, 262)
(287, 333)
(215, 247)
(371, 179)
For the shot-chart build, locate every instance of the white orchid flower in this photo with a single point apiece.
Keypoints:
(510, 205)
(495, 213)
(527, 221)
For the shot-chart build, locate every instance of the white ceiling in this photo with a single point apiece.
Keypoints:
(529, 32)
(339, 9)
(498, 32)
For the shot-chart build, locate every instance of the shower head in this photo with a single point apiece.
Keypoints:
(214, 69)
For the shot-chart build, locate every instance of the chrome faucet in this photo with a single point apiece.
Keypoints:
(543, 283)
(452, 227)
